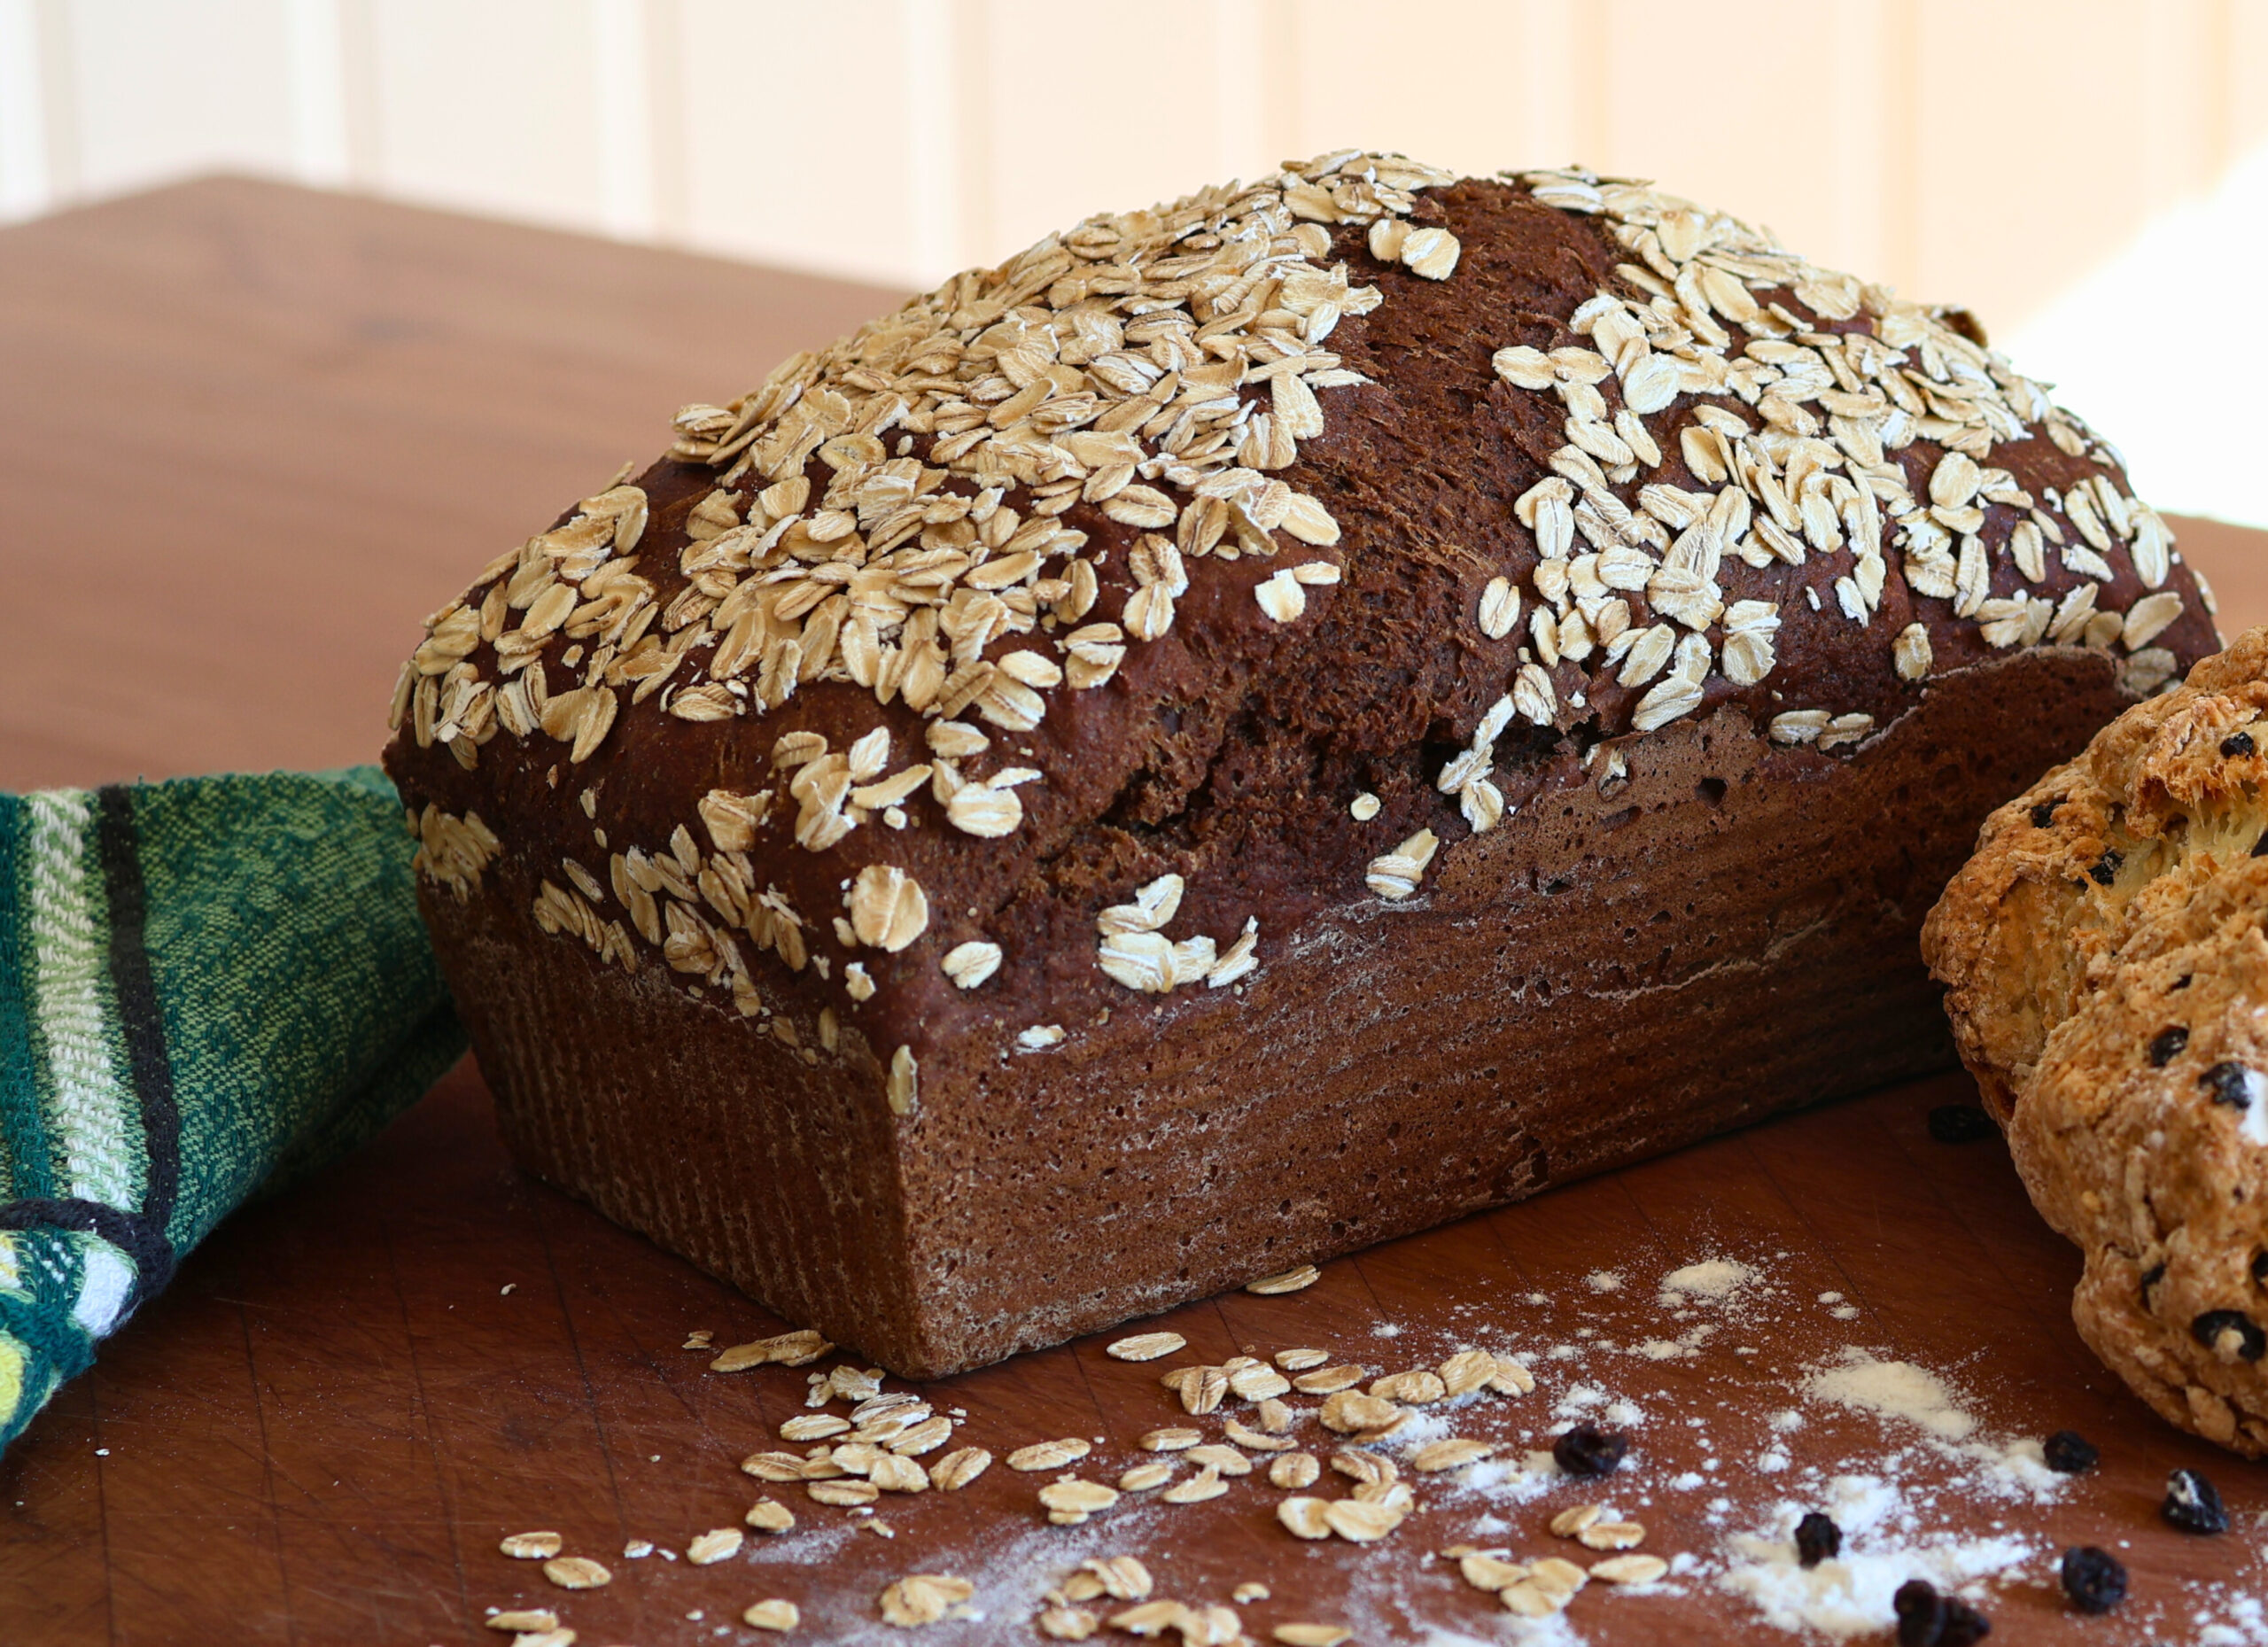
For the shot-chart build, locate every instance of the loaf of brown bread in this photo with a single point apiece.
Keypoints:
(1256, 726)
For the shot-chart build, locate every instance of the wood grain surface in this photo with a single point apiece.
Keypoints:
(247, 435)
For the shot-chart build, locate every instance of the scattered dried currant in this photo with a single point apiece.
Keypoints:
(2192, 1504)
(1588, 1450)
(2229, 1084)
(2230, 1333)
(2151, 1277)
(1926, 1618)
(2094, 1578)
(2043, 813)
(2166, 1046)
(2106, 867)
(1817, 1539)
(2070, 1452)
(2260, 847)
(2260, 1268)
(2237, 743)
(1960, 1123)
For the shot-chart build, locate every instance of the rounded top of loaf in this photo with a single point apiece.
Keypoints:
(1088, 622)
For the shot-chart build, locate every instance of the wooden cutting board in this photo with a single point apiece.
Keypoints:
(247, 434)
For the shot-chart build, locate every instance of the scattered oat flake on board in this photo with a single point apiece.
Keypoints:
(1450, 1453)
(1049, 1455)
(1630, 1569)
(1575, 1517)
(1360, 1522)
(1293, 1469)
(532, 1546)
(788, 1349)
(1611, 1535)
(1123, 1577)
(1206, 1483)
(1489, 1572)
(1348, 1411)
(772, 1615)
(769, 1515)
(924, 1599)
(814, 1427)
(576, 1573)
(1312, 1635)
(1289, 1281)
(1146, 1346)
(1074, 1495)
(957, 1469)
(523, 1619)
(1068, 1624)
(717, 1544)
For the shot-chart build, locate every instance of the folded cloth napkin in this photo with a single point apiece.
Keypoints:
(206, 986)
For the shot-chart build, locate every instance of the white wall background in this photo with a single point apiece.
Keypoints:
(2055, 164)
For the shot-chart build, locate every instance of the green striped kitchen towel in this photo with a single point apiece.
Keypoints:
(205, 986)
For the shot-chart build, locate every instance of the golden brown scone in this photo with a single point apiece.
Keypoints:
(2108, 982)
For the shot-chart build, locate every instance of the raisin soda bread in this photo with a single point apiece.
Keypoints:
(2108, 985)
(1255, 726)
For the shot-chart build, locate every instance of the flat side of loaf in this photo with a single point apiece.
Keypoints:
(2107, 976)
(1603, 979)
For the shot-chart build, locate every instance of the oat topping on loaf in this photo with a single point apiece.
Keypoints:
(1054, 583)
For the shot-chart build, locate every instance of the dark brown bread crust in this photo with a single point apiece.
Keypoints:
(1227, 752)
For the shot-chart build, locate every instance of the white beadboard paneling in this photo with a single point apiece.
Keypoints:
(1447, 92)
(2029, 146)
(621, 42)
(2182, 86)
(26, 187)
(1857, 40)
(1746, 143)
(491, 105)
(1554, 119)
(321, 150)
(160, 91)
(801, 124)
(1087, 109)
(935, 231)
